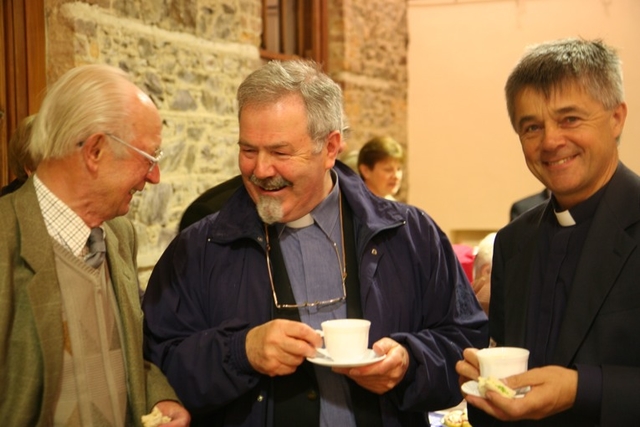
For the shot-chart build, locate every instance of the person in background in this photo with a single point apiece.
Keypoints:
(521, 206)
(482, 262)
(465, 254)
(20, 163)
(380, 163)
(233, 304)
(70, 317)
(566, 274)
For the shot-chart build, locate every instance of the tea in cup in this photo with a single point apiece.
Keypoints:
(346, 340)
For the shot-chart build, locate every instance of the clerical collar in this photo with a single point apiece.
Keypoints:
(564, 218)
(324, 213)
(303, 222)
(580, 212)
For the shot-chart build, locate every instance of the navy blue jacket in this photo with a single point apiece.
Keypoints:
(211, 286)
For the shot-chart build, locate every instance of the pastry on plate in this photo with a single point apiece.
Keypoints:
(155, 418)
(456, 418)
(494, 384)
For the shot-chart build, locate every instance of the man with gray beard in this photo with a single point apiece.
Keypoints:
(233, 305)
(270, 208)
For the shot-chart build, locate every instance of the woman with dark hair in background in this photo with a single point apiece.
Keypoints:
(380, 165)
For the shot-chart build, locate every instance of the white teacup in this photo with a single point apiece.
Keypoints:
(346, 340)
(502, 362)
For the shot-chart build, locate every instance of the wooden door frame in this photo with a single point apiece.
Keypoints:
(319, 33)
(23, 72)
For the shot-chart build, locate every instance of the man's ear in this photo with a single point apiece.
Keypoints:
(93, 151)
(333, 147)
(334, 144)
(618, 118)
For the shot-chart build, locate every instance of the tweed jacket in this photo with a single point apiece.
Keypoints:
(31, 327)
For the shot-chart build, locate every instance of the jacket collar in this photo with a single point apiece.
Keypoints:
(238, 218)
(605, 253)
(42, 288)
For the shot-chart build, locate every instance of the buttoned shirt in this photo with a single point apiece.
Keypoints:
(312, 249)
(562, 238)
(62, 223)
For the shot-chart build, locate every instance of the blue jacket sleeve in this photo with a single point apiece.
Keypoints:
(417, 277)
(204, 359)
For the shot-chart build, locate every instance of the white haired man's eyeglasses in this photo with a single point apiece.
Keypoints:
(153, 160)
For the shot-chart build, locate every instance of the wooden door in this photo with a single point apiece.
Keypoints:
(23, 68)
(295, 29)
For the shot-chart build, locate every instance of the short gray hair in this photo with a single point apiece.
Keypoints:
(278, 79)
(549, 66)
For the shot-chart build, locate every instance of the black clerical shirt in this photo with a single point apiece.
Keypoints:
(557, 257)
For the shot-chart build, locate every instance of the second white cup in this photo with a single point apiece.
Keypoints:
(346, 339)
(502, 362)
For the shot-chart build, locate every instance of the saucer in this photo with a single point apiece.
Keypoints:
(323, 359)
(471, 388)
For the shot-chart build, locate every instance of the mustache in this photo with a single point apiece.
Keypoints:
(274, 183)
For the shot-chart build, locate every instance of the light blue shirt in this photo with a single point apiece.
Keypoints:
(315, 273)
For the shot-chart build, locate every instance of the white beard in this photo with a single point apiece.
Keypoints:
(269, 209)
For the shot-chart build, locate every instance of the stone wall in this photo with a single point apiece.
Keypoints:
(368, 57)
(190, 56)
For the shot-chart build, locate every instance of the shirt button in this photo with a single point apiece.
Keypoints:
(260, 398)
(374, 251)
(312, 394)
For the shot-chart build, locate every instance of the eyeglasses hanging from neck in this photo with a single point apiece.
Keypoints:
(341, 262)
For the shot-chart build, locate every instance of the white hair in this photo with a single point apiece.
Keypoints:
(484, 253)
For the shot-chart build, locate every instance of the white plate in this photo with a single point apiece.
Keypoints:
(471, 387)
(323, 359)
